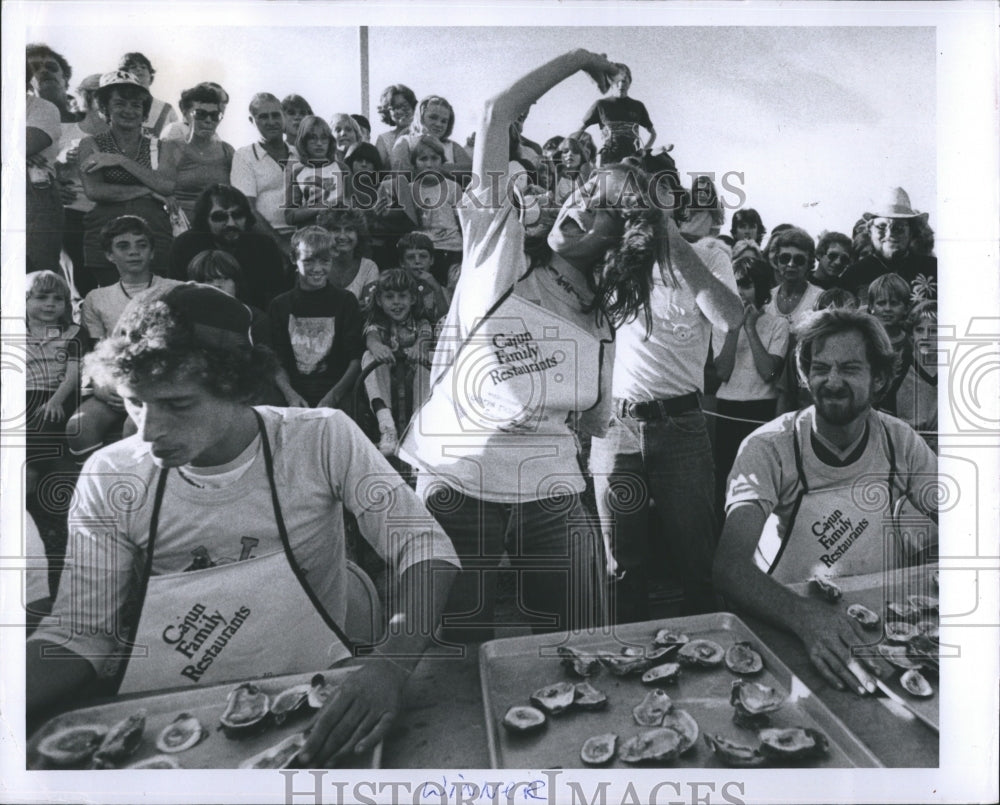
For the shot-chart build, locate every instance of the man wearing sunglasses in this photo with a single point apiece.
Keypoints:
(901, 242)
(834, 253)
(223, 219)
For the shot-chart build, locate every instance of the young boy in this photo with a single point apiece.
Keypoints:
(416, 255)
(255, 497)
(316, 328)
(127, 242)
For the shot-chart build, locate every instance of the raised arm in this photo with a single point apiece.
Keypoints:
(491, 154)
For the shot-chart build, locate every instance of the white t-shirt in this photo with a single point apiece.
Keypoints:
(42, 115)
(322, 462)
(102, 307)
(671, 362)
(504, 384)
(367, 273)
(745, 383)
(256, 174)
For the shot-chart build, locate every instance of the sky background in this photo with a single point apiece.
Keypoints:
(800, 112)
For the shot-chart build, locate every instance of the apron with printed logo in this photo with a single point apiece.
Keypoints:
(253, 618)
(837, 530)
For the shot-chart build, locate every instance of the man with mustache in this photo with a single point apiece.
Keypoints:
(222, 220)
(811, 492)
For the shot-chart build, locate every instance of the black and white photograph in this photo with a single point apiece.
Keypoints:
(556, 402)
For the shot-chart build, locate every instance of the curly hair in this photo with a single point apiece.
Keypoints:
(200, 93)
(153, 344)
(399, 280)
(794, 237)
(818, 326)
(835, 297)
(921, 237)
(348, 218)
(385, 101)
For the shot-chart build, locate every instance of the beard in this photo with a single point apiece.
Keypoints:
(840, 409)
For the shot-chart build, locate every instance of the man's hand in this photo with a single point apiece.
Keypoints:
(357, 715)
(829, 637)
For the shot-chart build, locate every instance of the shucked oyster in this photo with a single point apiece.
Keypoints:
(555, 698)
(598, 749)
(752, 702)
(898, 656)
(587, 697)
(793, 743)
(685, 725)
(704, 653)
(278, 756)
(520, 719)
(734, 754)
(742, 658)
(666, 674)
(625, 663)
(864, 616)
(900, 631)
(121, 741)
(72, 745)
(180, 734)
(290, 701)
(668, 637)
(578, 663)
(157, 762)
(826, 587)
(913, 682)
(659, 745)
(650, 711)
(247, 708)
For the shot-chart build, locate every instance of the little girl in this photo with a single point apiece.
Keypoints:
(396, 328)
(889, 302)
(749, 363)
(52, 368)
(436, 199)
(350, 270)
(318, 181)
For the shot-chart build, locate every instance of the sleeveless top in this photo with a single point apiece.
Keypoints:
(115, 175)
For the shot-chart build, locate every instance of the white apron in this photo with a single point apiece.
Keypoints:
(226, 623)
(831, 533)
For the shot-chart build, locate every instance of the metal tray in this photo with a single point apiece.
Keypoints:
(215, 751)
(512, 669)
(874, 591)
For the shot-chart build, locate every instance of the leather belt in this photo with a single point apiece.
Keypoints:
(658, 409)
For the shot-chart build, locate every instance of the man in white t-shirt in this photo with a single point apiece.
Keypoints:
(657, 444)
(816, 492)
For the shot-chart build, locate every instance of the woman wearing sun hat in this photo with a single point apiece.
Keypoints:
(118, 170)
(898, 241)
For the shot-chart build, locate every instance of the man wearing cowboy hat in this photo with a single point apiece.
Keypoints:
(901, 243)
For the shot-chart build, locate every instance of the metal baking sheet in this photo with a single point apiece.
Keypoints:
(512, 669)
(215, 751)
(875, 591)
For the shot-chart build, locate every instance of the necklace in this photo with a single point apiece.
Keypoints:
(789, 299)
(120, 150)
(127, 294)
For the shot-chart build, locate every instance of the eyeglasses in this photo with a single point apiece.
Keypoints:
(797, 260)
(893, 227)
(205, 114)
(221, 216)
(401, 107)
(837, 257)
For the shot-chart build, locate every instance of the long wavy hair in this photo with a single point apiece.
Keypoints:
(921, 238)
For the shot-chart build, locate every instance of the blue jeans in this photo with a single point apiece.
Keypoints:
(670, 460)
(554, 548)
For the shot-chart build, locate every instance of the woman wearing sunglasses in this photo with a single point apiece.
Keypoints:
(201, 159)
(792, 252)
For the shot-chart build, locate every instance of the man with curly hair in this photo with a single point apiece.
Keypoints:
(214, 537)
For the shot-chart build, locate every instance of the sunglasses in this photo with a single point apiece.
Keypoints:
(205, 114)
(837, 257)
(220, 217)
(797, 260)
(895, 227)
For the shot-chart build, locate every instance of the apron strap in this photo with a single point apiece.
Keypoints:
(803, 489)
(140, 599)
(283, 533)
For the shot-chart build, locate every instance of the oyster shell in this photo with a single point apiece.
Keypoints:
(157, 762)
(554, 699)
(923, 603)
(278, 756)
(668, 637)
(902, 612)
(319, 691)
(754, 697)
(660, 744)
(121, 740)
(247, 708)
(521, 718)
(825, 587)
(792, 743)
(289, 702)
(704, 653)
(929, 629)
(915, 684)
(578, 663)
(624, 664)
(657, 654)
(587, 697)
(685, 725)
(650, 711)
(182, 733)
(733, 754)
(598, 749)
(900, 631)
(72, 745)
(742, 658)
(666, 674)
(868, 619)
(898, 656)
